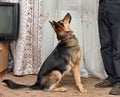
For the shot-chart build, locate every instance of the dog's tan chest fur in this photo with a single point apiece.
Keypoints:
(68, 69)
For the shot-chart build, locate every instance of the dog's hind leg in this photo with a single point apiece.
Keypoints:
(53, 80)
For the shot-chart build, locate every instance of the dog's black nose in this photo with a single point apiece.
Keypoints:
(68, 13)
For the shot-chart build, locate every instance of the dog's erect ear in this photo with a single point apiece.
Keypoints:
(52, 24)
(67, 18)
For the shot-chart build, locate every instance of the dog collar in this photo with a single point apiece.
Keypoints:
(67, 37)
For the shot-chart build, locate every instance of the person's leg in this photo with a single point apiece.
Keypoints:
(106, 41)
(113, 13)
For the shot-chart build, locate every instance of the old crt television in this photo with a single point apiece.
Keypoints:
(9, 21)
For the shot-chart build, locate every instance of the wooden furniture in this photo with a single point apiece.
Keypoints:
(4, 54)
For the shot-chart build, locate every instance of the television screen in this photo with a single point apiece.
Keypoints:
(9, 21)
(6, 18)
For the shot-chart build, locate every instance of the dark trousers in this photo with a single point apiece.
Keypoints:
(109, 32)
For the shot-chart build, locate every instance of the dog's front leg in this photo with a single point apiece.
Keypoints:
(76, 74)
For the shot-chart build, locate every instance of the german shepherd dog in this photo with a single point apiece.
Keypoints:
(64, 58)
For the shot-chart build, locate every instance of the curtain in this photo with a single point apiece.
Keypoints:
(27, 49)
(37, 38)
(85, 27)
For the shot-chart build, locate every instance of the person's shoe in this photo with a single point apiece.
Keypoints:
(115, 90)
(104, 84)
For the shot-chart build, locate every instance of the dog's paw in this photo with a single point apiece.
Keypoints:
(60, 89)
(63, 89)
(82, 90)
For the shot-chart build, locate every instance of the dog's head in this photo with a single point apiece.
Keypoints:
(62, 27)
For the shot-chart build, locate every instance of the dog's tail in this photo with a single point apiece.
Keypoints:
(13, 85)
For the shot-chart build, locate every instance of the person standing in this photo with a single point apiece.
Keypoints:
(109, 32)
